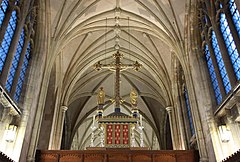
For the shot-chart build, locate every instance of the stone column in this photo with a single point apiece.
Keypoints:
(179, 98)
(169, 111)
(60, 124)
(59, 130)
(198, 125)
(36, 90)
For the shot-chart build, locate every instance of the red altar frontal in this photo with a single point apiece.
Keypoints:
(117, 128)
(117, 134)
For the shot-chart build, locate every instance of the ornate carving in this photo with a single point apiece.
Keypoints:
(70, 157)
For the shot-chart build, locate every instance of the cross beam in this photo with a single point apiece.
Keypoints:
(117, 66)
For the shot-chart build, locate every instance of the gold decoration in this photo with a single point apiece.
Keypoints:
(133, 97)
(101, 96)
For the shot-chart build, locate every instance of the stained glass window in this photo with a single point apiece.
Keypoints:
(22, 74)
(235, 15)
(221, 66)
(213, 76)
(15, 62)
(189, 111)
(230, 44)
(7, 39)
(3, 9)
(4, 50)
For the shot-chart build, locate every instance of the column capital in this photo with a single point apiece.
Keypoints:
(169, 109)
(64, 108)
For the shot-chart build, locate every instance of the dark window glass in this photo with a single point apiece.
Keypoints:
(22, 74)
(189, 111)
(213, 76)
(235, 15)
(7, 39)
(221, 66)
(15, 62)
(230, 44)
(3, 9)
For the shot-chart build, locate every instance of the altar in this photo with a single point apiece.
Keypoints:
(117, 128)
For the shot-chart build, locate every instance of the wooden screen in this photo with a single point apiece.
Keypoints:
(117, 155)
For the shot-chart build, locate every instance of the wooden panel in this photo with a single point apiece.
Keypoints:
(118, 158)
(71, 158)
(185, 157)
(49, 158)
(93, 158)
(117, 155)
(141, 158)
(165, 158)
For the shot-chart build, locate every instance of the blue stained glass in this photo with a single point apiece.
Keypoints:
(22, 74)
(221, 66)
(189, 111)
(7, 39)
(235, 15)
(230, 44)
(3, 9)
(15, 62)
(213, 76)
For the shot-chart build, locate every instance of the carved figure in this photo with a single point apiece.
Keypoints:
(133, 97)
(101, 96)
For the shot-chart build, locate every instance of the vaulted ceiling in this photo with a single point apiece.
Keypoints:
(83, 32)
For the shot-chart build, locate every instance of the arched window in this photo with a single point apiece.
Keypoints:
(230, 44)
(188, 110)
(221, 66)
(22, 74)
(213, 76)
(15, 62)
(3, 10)
(7, 39)
(235, 15)
(16, 68)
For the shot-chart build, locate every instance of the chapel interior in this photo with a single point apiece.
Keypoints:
(126, 75)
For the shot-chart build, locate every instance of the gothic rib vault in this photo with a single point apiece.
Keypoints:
(83, 33)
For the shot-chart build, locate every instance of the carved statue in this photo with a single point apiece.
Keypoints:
(133, 97)
(101, 96)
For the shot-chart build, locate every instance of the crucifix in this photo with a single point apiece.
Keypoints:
(117, 66)
(116, 134)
